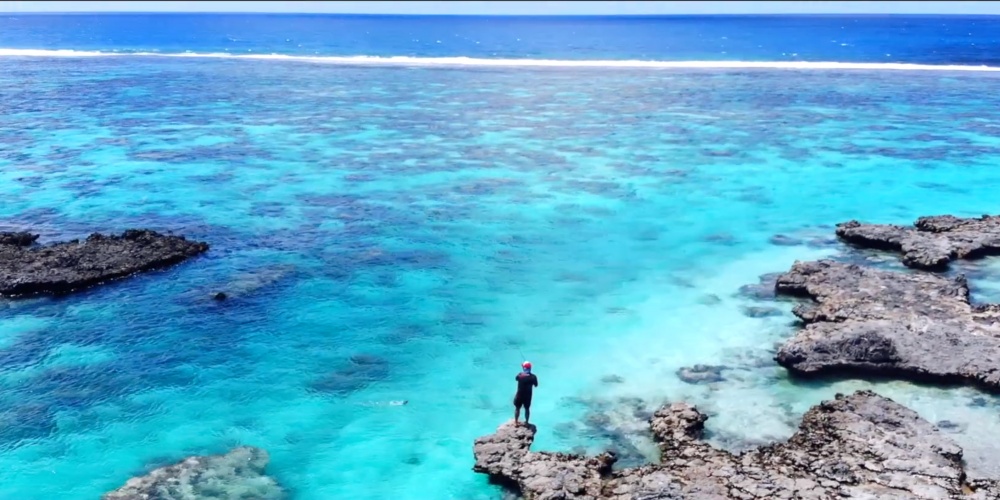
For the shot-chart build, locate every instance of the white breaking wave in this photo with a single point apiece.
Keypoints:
(525, 63)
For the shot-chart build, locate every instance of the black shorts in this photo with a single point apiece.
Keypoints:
(520, 400)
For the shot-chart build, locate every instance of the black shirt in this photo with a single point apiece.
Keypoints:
(525, 381)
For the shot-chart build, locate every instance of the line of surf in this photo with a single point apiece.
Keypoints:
(532, 63)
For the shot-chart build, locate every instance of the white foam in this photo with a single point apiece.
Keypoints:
(537, 63)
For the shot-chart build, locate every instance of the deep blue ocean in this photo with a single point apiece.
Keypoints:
(411, 227)
(966, 40)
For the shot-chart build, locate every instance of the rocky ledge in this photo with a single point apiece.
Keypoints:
(857, 446)
(932, 242)
(73, 265)
(916, 326)
(21, 239)
(237, 475)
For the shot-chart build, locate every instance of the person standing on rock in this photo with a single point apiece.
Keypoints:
(526, 382)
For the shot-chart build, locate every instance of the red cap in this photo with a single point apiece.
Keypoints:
(526, 365)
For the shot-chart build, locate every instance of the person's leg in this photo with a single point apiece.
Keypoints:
(517, 411)
(527, 412)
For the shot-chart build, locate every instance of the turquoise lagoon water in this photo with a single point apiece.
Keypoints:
(410, 233)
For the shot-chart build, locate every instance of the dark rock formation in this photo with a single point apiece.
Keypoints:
(857, 446)
(932, 243)
(237, 475)
(701, 374)
(21, 239)
(916, 326)
(74, 265)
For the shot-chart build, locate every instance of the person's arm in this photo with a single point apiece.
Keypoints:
(536, 381)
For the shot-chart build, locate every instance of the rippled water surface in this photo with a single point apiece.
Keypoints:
(411, 233)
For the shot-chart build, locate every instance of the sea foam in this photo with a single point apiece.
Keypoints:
(499, 62)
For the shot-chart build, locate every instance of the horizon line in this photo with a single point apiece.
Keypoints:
(464, 61)
(384, 14)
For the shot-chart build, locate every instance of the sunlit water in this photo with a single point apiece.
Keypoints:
(413, 233)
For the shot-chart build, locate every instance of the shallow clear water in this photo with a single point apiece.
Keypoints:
(410, 233)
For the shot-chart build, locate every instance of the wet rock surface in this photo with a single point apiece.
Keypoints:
(19, 239)
(932, 242)
(236, 475)
(916, 326)
(74, 265)
(856, 446)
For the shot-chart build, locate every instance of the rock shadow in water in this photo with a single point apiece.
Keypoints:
(621, 424)
(355, 374)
